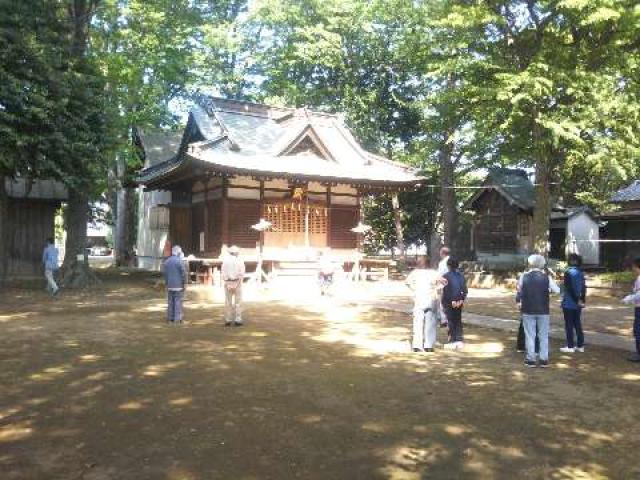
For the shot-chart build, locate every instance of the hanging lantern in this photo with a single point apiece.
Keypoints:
(298, 193)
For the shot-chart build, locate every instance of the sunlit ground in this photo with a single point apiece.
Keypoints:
(96, 386)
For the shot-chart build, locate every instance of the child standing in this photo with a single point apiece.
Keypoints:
(634, 299)
(454, 294)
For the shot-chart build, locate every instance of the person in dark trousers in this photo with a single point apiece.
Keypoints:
(634, 299)
(573, 301)
(175, 277)
(454, 294)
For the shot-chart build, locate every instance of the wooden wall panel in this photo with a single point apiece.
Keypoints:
(31, 222)
(180, 231)
(214, 226)
(341, 221)
(497, 226)
(197, 226)
(243, 214)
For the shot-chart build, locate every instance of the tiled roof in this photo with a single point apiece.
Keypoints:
(628, 194)
(241, 137)
(513, 184)
(159, 146)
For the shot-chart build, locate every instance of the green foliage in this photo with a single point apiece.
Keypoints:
(53, 113)
(145, 50)
(32, 77)
(447, 86)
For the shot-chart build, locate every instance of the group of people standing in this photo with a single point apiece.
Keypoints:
(439, 297)
(176, 273)
(534, 289)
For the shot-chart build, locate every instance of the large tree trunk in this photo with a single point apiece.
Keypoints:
(448, 196)
(4, 227)
(124, 237)
(75, 271)
(433, 247)
(397, 220)
(542, 209)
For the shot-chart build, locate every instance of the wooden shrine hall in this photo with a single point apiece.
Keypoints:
(237, 163)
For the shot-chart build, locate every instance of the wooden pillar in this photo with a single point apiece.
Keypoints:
(328, 215)
(225, 211)
(206, 214)
(261, 239)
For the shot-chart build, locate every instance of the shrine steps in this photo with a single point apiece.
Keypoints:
(296, 268)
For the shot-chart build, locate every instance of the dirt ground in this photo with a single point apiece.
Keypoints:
(96, 386)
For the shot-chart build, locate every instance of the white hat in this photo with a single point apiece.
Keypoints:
(233, 250)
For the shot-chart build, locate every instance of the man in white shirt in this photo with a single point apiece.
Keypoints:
(233, 271)
(425, 283)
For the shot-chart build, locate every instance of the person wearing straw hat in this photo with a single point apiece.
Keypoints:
(233, 271)
(175, 276)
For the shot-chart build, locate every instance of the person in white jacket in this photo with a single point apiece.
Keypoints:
(634, 299)
(425, 283)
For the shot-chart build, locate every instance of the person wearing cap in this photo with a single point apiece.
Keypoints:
(233, 271)
(534, 287)
(175, 276)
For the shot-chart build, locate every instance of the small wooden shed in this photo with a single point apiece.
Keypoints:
(32, 210)
(502, 227)
(620, 229)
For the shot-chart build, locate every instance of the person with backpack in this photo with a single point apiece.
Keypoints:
(454, 295)
(534, 287)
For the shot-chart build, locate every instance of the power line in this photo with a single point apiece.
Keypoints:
(480, 187)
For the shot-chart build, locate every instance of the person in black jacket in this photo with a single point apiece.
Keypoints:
(454, 294)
